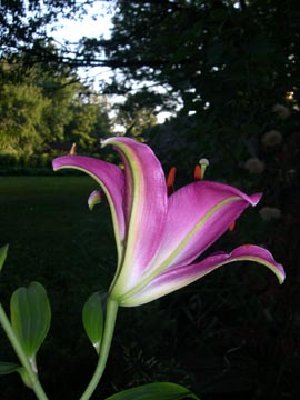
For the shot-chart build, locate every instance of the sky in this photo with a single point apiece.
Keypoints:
(96, 23)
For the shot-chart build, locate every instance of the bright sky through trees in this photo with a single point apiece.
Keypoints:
(96, 23)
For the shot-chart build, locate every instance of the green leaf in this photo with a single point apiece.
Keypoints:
(157, 391)
(3, 255)
(30, 317)
(92, 318)
(8, 367)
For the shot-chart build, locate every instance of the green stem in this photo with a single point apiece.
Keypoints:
(111, 315)
(34, 380)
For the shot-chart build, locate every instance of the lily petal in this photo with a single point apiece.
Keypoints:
(176, 278)
(198, 215)
(111, 179)
(146, 211)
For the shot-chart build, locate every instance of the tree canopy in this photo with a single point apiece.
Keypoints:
(40, 106)
(224, 63)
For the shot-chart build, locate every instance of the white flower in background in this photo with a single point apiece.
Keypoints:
(282, 111)
(268, 213)
(271, 138)
(254, 165)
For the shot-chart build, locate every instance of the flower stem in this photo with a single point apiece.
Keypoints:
(111, 315)
(33, 377)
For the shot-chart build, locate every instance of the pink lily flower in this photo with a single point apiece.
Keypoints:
(160, 238)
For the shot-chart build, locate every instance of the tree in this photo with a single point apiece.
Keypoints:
(227, 62)
(25, 27)
(22, 22)
(135, 122)
(40, 106)
(89, 121)
(212, 54)
(21, 117)
(138, 112)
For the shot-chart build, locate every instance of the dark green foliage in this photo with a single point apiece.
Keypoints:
(21, 111)
(233, 58)
(42, 110)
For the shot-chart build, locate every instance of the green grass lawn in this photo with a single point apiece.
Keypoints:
(51, 231)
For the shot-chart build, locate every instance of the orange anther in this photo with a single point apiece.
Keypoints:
(197, 173)
(171, 179)
(232, 226)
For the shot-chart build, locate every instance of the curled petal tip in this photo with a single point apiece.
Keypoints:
(260, 255)
(64, 162)
(255, 199)
(55, 165)
(105, 142)
(281, 274)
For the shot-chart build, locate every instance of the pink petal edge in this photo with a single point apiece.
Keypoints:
(189, 212)
(177, 278)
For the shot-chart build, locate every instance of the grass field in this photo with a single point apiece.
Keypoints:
(49, 226)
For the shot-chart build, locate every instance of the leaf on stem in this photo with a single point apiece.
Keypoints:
(30, 318)
(92, 318)
(8, 367)
(157, 391)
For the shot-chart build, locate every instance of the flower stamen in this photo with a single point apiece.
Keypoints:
(170, 180)
(197, 173)
(200, 169)
(232, 226)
